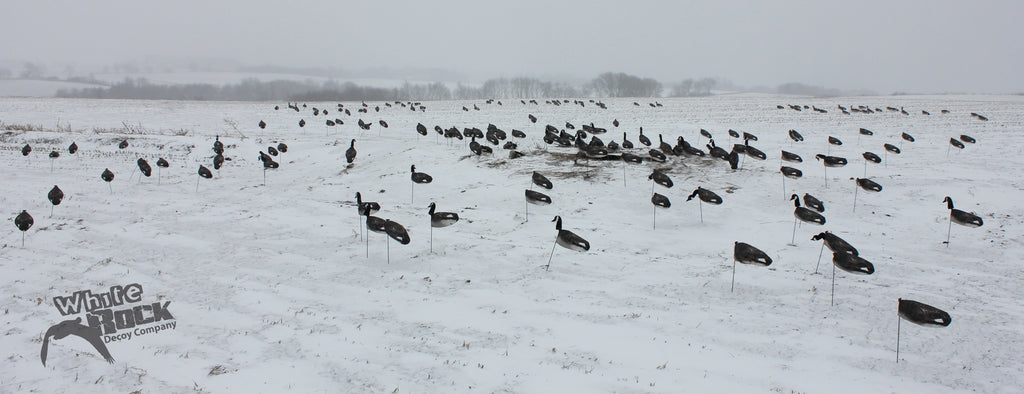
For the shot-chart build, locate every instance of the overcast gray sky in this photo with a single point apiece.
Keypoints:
(917, 46)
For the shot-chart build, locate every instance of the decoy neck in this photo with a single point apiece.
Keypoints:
(432, 206)
(413, 168)
(819, 156)
(352, 144)
(796, 200)
(558, 223)
(359, 198)
(949, 202)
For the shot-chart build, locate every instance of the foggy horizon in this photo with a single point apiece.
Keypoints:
(918, 47)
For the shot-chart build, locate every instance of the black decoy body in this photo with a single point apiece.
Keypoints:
(806, 215)
(968, 139)
(864, 131)
(163, 163)
(753, 152)
(717, 151)
(657, 156)
(263, 124)
(23, 221)
(568, 239)
(792, 157)
(25, 150)
(518, 133)
(923, 314)
(795, 136)
(537, 198)
(282, 147)
(734, 133)
(375, 224)
(643, 138)
(869, 185)
(350, 153)
(664, 146)
(892, 148)
(961, 217)
(421, 129)
(366, 207)
(869, 156)
(835, 244)
(396, 231)
(218, 161)
(834, 141)
(54, 154)
(956, 143)
(442, 219)
(107, 176)
(814, 203)
(831, 161)
(907, 137)
(144, 167)
(705, 195)
(541, 180)
(55, 195)
(749, 137)
(123, 144)
(73, 148)
(660, 201)
(420, 177)
(205, 172)
(748, 254)
(790, 172)
(631, 158)
(852, 264)
(660, 178)
(272, 151)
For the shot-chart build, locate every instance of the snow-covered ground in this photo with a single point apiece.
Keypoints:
(272, 289)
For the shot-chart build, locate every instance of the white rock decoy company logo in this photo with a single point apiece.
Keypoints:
(110, 317)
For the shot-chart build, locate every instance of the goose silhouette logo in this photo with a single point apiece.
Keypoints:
(76, 328)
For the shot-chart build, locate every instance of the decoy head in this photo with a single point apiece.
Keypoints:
(432, 206)
(949, 202)
(413, 168)
(558, 222)
(818, 236)
(359, 198)
(353, 143)
(819, 156)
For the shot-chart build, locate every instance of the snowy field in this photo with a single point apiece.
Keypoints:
(272, 288)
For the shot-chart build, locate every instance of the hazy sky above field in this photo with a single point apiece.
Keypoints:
(886, 46)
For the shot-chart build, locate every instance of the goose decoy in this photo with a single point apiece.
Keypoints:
(73, 148)
(533, 119)
(747, 254)
(23, 222)
(366, 207)
(830, 161)
(956, 143)
(892, 148)
(868, 185)
(791, 173)
(704, 195)
(615, 122)
(541, 180)
(25, 150)
(302, 123)
(864, 131)
(869, 156)
(567, 239)
(752, 151)
(834, 243)
(963, 218)
(643, 138)
(421, 129)
(834, 141)
(537, 198)
(518, 133)
(795, 136)
(849, 263)
(383, 123)
(631, 158)
(717, 151)
(272, 150)
(202, 173)
(968, 139)
(664, 146)
(218, 147)
(660, 201)
(420, 177)
(660, 178)
(440, 219)
(218, 162)
(107, 176)
(705, 134)
(144, 167)
(804, 215)
(123, 144)
(350, 153)
(749, 137)
(263, 125)
(920, 314)
(375, 224)
(792, 157)
(907, 137)
(55, 196)
(657, 156)
(282, 147)
(814, 203)
(734, 133)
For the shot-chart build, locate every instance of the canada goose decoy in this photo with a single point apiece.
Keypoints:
(795, 136)
(864, 131)
(872, 157)
(107, 176)
(830, 161)
(541, 180)
(364, 208)
(968, 139)
(664, 146)
(752, 151)
(659, 201)
(262, 124)
(814, 203)
(518, 133)
(705, 134)
(567, 239)
(834, 141)
(72, 148)
(717, 151)
(440, 219)
(25, 150)
(23, 222)
(849, 263)
(535, 198)
(963, 218)
(734, 133)
(704, 195)
(643, 138)
(55, 196)
(804, 215)
(747, 254)
(657, 156)
(792, 157)
(350, 153)
(892, 148)
(144, 167)
(956, 143)
(421, 129)
(920, 314)
(661, 179)
(907, 137)
(867, 185)
(395, 231)
(791, 173)
(373, 223)
(834, 243)
(749, 137)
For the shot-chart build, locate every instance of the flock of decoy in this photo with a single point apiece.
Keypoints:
(589, 146)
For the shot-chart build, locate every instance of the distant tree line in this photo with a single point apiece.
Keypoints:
(605, 85)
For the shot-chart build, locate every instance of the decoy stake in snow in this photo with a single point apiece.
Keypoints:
(967, 219)
(24, 222)
(440, 219)
(747, 254)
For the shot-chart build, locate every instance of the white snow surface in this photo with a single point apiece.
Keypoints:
(271, 285)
